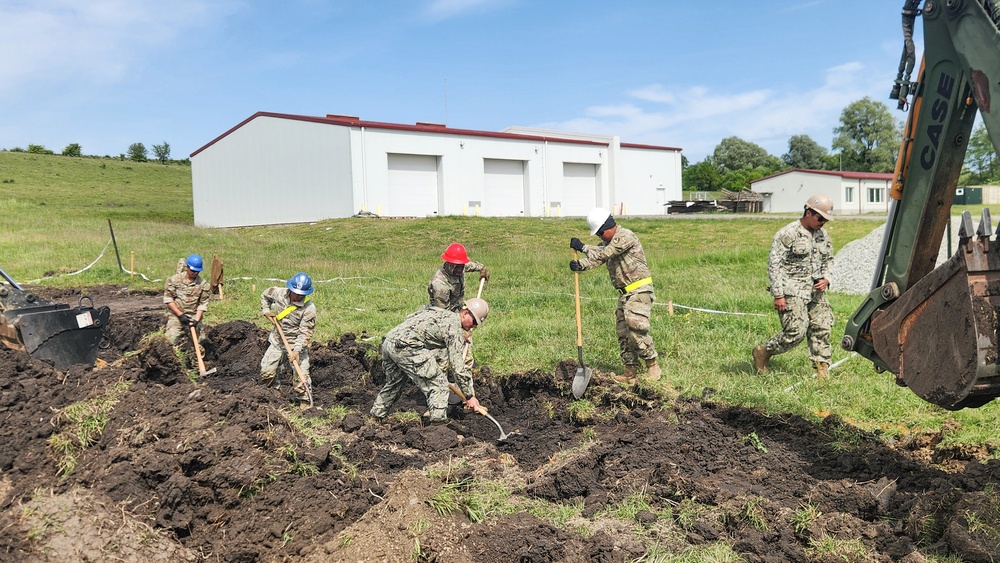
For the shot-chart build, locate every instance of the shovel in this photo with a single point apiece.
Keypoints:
(197, 353)
(583, 373)
(298, 369)
(482, 410)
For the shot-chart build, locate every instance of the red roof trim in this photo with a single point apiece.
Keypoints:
(843, 174)
(348, 121)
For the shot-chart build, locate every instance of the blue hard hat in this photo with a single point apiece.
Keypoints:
(300, 283)
(195, 263)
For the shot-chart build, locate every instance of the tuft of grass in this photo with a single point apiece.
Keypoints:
(804, 517)
(82, 425)
(831, 548)
(581, 411)
(753, 513)
(754, 440)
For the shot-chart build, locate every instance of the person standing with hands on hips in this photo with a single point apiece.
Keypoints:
(622, 252)
(799, 271)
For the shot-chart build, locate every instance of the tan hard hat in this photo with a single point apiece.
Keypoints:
(822, 204)
(478, 308)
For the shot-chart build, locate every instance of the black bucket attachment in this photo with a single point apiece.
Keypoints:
(64, 335)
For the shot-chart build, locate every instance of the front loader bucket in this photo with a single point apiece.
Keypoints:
(56, 332)
(940, 337)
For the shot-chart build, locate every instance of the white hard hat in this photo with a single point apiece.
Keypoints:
(596, 218)
(478, 308)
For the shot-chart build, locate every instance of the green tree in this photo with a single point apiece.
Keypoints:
(982, 165)
(73, 149)
(162, 152)
(803, 152)
(868, 137)
(137, 152)
(703, 176)
(733, 153)
(39, 149)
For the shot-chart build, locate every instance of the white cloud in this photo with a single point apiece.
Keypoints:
(697, 118)
(443, 9)
(54, 43)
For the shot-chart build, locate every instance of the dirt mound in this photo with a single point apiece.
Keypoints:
(142, 459)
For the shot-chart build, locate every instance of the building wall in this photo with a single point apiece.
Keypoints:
(787, 193)
(340, 169)
(272, 171)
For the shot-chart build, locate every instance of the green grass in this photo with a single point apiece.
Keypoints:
(371, 273)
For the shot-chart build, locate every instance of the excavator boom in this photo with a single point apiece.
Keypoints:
(936, 328)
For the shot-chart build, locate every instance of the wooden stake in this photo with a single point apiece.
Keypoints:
(670, 307)
(131, 264)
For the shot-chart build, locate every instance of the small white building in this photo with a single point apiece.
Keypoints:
(278, 168)
(852, 192)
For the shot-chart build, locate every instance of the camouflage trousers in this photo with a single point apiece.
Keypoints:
(422, 367)
(804, 318)
(274, 358)
(632, 325)
(175, 331)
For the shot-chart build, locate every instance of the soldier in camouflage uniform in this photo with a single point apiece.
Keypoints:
(296, 314)
(412, 350)
(186, 296)
(447, 286)
(799, 270)
(622, 252)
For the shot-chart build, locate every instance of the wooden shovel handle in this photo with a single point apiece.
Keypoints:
(576, 285)
(454, 389)
(197, 351)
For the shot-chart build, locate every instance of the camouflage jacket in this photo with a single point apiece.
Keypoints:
(297, 319)
(624, 257)
(798, 258)
(438, 331)
(190, 296)
(447, 291)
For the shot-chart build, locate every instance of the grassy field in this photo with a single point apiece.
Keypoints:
(370, 273)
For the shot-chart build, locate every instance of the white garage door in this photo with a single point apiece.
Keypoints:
(503, 194)
(579, 189)
(413, 185)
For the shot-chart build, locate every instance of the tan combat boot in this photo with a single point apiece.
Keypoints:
(653, 372)
(761, 357)
(628, 376)
(822, 370)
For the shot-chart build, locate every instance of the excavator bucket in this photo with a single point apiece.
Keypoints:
(64, 335)
(940, 337)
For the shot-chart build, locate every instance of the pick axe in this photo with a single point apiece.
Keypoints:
(298, 369)
(197, 353)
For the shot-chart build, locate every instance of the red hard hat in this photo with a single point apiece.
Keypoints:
(455, 254)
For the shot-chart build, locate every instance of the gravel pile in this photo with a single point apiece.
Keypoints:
(854, 265)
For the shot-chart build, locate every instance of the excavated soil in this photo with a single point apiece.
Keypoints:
(221, 468)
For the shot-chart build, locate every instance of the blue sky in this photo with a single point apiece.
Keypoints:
(109, 73)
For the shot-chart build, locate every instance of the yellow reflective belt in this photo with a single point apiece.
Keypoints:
(291, 308)
(637, 284)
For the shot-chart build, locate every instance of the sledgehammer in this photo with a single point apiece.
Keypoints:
(482, 410)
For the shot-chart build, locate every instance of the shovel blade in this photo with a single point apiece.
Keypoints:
(581, 381)
(209, 372)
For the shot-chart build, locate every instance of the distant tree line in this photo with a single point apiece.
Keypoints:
(866, 140)
(136, 152)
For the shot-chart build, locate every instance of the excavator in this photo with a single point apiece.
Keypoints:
(936, 328)
(63, 335)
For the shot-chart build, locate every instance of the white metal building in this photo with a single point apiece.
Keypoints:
(279, 168)
(852, 192)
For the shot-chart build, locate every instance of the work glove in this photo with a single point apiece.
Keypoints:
(575, 266)
(575, 244)
(269, 314)
(185, 320)
(484, 274)
(294, 356)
